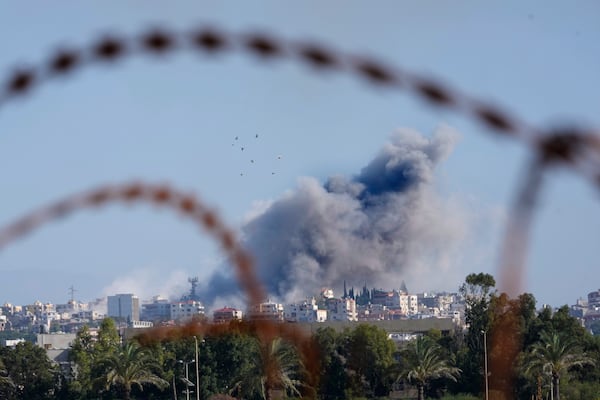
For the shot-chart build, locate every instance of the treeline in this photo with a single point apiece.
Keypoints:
(539, 352)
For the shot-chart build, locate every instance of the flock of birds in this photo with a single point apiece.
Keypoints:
(236, 142)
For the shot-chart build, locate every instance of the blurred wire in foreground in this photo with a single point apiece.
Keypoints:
(573, 147)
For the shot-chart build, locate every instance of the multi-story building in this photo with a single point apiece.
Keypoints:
(341, 309)
(409, 304)
(396, 300)
(124, 307)
(90, 315)
(186, 310)
(71, 307)
(372, 312)
(226, 314)
(594, 300)
(428, 300)
(579, 309)
(306, 311)
(158, 310)
(266, 311)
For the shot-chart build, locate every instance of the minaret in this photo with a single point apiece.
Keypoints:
(345, 292)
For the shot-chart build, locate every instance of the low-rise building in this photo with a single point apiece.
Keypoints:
(372, 312)
(226, 314)
(12, 343)
(58, 347)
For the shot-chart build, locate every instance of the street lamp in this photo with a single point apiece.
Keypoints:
(197, 370)
(188, 383)
(485, 362)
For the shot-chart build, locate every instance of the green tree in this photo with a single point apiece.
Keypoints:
(108, 337)
(478, 293)
(131, 366)
(276, 366)
(6, 383)
(555, 354)
(231, 357)
(370, 355)
(30, 370)
(82, 353)
(424, 363)
(333, 377)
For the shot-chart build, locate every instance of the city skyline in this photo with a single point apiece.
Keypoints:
(184, 120)
(183, 296)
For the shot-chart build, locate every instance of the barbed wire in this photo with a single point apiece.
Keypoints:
(570, 146)
(193, 209)
(557, 145)
(158, 195)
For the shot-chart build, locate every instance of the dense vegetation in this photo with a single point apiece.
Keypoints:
(552, 350)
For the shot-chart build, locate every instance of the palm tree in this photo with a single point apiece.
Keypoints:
(425, 363)
(131, 365)
(555, 355)
(275, 366)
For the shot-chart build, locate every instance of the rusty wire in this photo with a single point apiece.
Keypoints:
(573, 147)
(159, 195)
(192, 208)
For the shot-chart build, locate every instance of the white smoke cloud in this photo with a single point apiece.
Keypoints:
(150, 281)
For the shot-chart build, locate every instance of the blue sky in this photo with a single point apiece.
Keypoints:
(175, 120)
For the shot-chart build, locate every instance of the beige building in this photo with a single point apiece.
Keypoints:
(266, 311)
(226, 314)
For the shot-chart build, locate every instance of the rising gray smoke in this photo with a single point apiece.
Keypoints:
(382, 226)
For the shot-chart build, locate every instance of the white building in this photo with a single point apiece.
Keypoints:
(409, 304)
(141, 324)
(71, 307)
(341, 309)
(396, 300)
(91, 315)
(124, 307)
(306, 311)
(266, 311)
(12, 342)
(186, 310)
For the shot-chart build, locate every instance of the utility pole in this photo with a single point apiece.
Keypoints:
(485, 363)
(188, 383)
(197, 371)
(72, 293)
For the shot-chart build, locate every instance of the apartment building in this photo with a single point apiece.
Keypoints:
(124, 307)
(186, 310)
(305, 311)
(226, 314)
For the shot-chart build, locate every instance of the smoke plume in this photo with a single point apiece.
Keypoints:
(384, 225)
